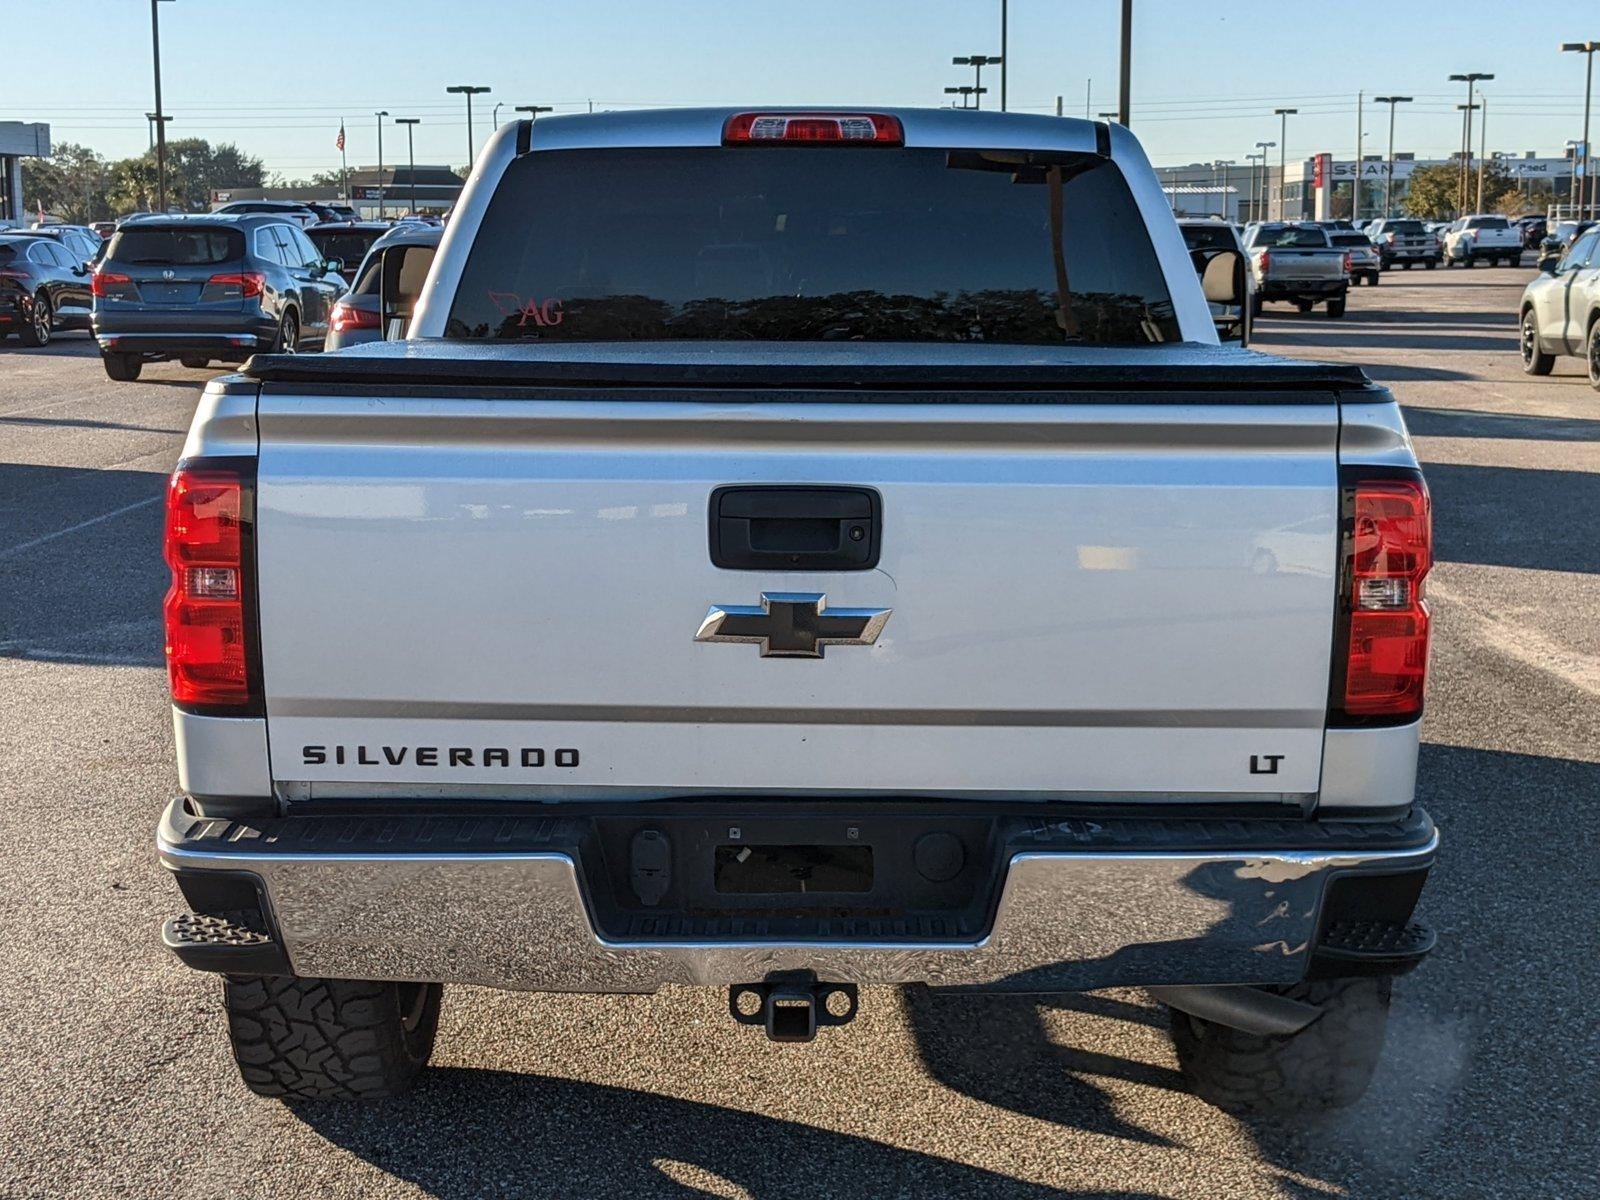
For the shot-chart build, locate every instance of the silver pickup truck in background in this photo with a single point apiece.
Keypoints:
(1297, 263)
(793, 551)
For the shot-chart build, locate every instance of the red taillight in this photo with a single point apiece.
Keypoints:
(101, 280)
(347, 316)
(1264, 260)
(249, 283)
(207, 607)
(844, 129)
(1348, 262)
(1389, 551)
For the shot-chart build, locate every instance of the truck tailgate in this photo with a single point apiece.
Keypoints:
(1289, 264)
(497, 596)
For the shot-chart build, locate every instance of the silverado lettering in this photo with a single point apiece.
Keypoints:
(362, 755)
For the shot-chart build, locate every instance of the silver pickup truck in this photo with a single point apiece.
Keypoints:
(1297, 263)
(793, 551)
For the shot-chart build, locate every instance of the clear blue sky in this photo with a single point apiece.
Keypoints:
(277, 77)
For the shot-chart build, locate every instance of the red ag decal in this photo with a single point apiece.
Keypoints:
(540, 312)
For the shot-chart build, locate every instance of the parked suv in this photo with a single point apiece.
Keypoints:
(1560, 310)
(1404, 241)
(404, 255)
(80, 240)
(348, 241)
(43, 287)
(210, 287)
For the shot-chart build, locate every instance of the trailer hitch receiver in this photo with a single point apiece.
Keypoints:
(792, 1009)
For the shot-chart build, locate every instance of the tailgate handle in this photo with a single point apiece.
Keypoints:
(780, 527)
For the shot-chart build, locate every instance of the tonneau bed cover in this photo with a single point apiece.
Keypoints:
(789, 366)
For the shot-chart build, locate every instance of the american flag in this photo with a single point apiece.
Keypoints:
(339, 145)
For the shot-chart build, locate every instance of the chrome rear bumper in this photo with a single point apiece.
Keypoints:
(1067, 919)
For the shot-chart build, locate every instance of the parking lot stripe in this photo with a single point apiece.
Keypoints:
(61, 533)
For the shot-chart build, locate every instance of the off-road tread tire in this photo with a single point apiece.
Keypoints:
(327, 1039)
(1325, 1066)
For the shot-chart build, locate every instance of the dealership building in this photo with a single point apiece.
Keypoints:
(388, 193)
(1322, 187)
(18, 140)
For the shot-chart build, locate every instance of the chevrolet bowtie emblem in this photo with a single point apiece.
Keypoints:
(792, 625)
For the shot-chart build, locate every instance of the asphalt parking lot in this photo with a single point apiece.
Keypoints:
(115, 1078)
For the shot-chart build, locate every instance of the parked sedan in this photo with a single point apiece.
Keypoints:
(42, 289)
(1560, 310)
(204, 288)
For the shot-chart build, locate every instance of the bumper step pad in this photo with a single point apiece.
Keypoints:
(236, 943)
(1372, 947)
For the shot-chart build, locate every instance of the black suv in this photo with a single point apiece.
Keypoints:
(211, 287)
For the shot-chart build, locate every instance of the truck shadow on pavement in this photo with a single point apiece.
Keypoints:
(1471, 423)
(1484, 515)
(81, 576)
(543, 1136)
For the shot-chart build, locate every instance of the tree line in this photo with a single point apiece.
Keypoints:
(80, 185)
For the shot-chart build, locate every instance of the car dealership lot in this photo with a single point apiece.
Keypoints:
(114, 1077)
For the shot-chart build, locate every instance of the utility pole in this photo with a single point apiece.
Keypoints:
(1125, 82)
(1059, 100)
(1586, 199)
(160, 117)
(411, 155)
(1355, 188)
(1283, 114)
(978, 62)
(380, 116)
(469, 91)
(1388, 183)
(1470, 80)
(1088, 97)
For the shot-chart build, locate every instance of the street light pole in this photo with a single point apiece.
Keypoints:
(1586, 201)
(1466, 111)
(1361, 145)
(1483, 148)
(411, 156)
(1003, 53)
(1225, 164)
(495, 115)
(1471, 80)
(1125, 82)
(533, 110)
(160, 117)
(1283, 114)
(964, 91)
(469, 91)
(380, 116)
(978, 62)
(1261, 209)
(1388, 183)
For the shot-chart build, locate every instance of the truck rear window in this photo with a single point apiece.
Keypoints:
(804, 244)
(180, 246)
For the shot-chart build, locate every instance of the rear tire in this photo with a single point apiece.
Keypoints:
(1326, 1065)
(330, 1039)
(1431, 263)
(124, 368)
(1336, 307)
(41, 323)
(1591, 353)
(288, 339)
(1534, 360)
